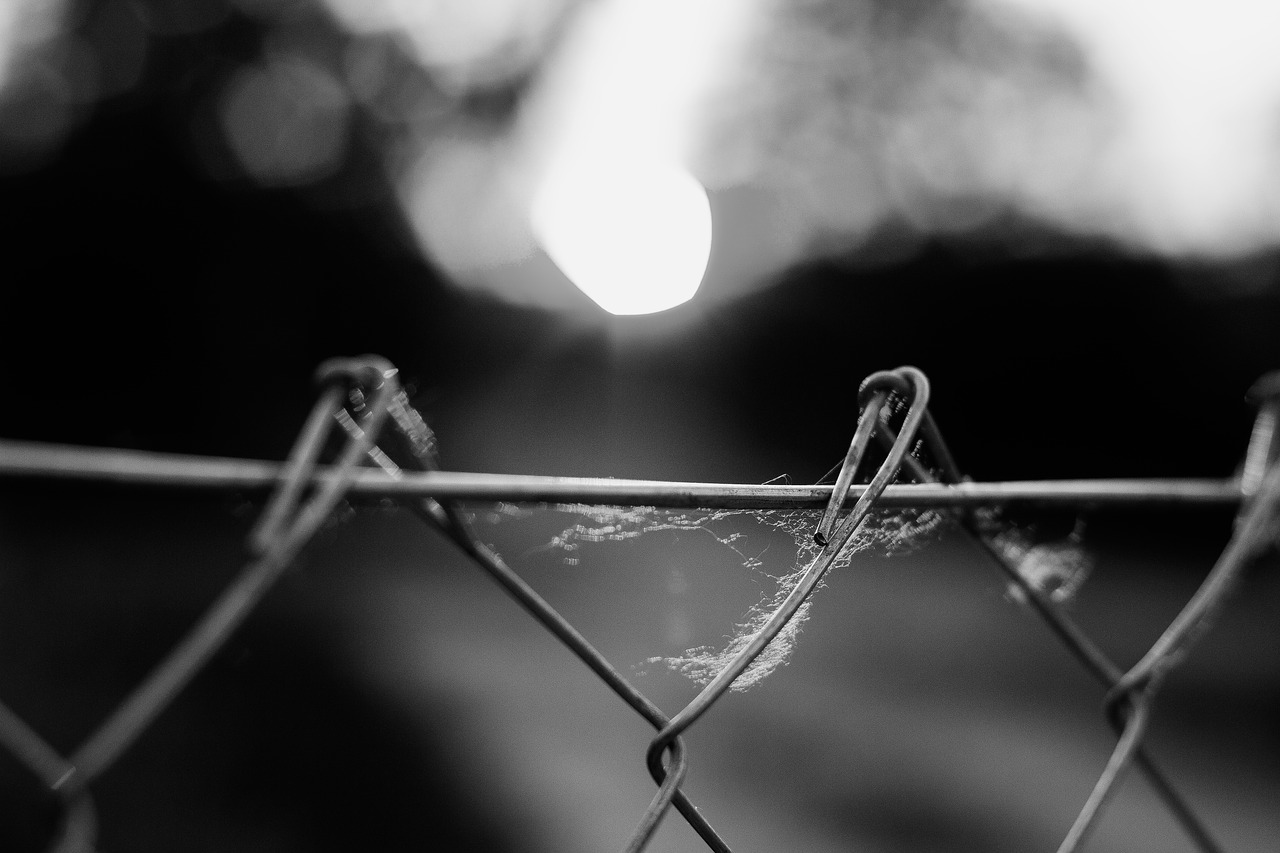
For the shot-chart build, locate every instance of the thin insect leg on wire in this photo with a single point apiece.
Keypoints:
(450, 521)
(830, 475)
(290, 523)
(801, 591)
(1079, 644)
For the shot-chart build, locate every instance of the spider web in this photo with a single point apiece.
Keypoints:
(1056, 568)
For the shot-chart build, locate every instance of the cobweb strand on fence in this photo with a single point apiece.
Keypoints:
(1057, 568)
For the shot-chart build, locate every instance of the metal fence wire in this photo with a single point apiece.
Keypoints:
(362, 407)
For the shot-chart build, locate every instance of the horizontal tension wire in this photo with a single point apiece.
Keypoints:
(144, 468)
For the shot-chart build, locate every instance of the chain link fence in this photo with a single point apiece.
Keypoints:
(363, 420)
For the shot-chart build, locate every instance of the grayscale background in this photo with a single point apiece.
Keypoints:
(199, 202)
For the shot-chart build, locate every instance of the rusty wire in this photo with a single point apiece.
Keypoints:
(306, 492)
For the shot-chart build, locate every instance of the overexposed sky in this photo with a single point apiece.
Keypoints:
(1153, 125)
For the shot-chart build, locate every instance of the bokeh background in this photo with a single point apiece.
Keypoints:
(1065, 215)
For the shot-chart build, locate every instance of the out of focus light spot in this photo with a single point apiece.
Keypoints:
(635, 78)
(287, 121)
(634, 238)
(391, 87)
(594, 163)
(54, 69)
(40, 82)
(36, 114)
(24, 26)
(463, 42)
(1194, 164)
(850, 125)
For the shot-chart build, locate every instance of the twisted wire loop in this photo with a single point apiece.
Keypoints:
(1129, 701)
(985, 527)
(832, 537)
(360, 395)
(1131, 697)
(290, 519)
(419, 450)
(1096, 662)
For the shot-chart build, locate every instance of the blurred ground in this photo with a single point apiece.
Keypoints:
(389, 694)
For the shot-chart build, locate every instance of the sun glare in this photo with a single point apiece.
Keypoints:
(635, 238)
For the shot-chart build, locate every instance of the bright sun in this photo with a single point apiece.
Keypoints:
(634, 237)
